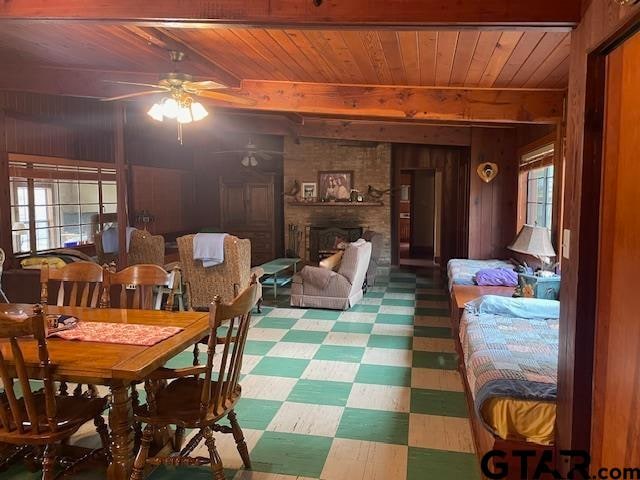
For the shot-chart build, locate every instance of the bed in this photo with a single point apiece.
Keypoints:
(509, 366)
(461, 271)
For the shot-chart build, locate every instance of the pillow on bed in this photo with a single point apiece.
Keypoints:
(496, 277)
(514, 307)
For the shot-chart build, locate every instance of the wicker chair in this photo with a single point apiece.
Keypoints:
(145, 248)
(224, 280)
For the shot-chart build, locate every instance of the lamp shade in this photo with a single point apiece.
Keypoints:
(533, 240)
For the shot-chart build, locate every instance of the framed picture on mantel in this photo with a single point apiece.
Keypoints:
(309, 191)
(335, 185)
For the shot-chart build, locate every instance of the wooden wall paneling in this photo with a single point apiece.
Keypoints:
(446, 51)
(427, 46)
(550, 63)
(485, 48)
(391, 48)
(452, 162)
(5, 198)
(410, 56)
(615, 434)
(467, 43)
(501, 55)
(492, 207)
(121, 180)
(526, 45)
(600, 19)
(543, 50)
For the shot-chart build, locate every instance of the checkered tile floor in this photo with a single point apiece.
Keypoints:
(372, 393)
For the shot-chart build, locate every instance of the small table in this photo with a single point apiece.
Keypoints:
(461, 294)
(273, 268)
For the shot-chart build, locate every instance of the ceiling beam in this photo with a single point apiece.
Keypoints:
(304, 13)
(394, 132)
(309, 99)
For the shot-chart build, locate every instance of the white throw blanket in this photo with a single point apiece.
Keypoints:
(110, 242)
(209, 247)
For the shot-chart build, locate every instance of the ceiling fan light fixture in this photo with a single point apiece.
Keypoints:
(156, 112)
(170, 108)
(184, 115)
(198, 112)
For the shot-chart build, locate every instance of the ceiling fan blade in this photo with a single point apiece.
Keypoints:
(272, 152)
(131, 95)
(226, 97)
(264, 155)
(227, 151)
(154, 85)
(195, 87)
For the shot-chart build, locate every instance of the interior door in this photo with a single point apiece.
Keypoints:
(259, 198)
(616, 402)
(233, 208)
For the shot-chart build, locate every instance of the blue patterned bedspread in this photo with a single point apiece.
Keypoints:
(461, 271)
(510, 357)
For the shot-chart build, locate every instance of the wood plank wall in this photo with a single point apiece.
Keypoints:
(493, 206)
(600, 19)
(453, 162)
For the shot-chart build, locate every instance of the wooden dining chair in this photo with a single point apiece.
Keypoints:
(79, 285)
(194, 399)
(145, 281)
(38, 418)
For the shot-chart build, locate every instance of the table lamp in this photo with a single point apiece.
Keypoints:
(535, 241)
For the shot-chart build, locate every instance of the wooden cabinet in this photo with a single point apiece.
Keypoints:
(247, 210)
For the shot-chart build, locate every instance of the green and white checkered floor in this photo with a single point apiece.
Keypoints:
(372, 393)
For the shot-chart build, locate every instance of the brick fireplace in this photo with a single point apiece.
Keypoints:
(324, 241)
(371, 165)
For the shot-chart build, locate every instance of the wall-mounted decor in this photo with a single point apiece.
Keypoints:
(309, 191)
(335, 185)
(487, 171)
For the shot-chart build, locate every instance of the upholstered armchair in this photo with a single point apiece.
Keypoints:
(377, 241)
(145, 248)
(318, 287)
(226, 280)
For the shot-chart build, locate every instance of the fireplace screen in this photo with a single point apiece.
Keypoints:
(325, 241)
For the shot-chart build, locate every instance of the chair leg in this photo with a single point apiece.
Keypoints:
(48, 462)
(178, 438)
(216, 461)
(239, 438)
(103, 433)
(259, 305)
(141, 459)
(196, 355)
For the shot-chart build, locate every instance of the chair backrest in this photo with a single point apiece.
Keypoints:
(144, 278)
(145, 248)
(13, 412)
(236, 316)
(224, 280)
(80, 284)
(355, 263)
(377, 242)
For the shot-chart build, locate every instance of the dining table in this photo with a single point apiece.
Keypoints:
(115, 365)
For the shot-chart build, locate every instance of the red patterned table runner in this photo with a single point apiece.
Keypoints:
(125, 333)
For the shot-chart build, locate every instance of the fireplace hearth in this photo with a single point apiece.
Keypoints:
(324, 241)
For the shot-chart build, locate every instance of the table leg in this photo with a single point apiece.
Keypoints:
(275, 286)
(121, 423)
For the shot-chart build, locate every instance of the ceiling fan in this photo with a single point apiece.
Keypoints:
(251, 154)
(181, 87)
(179, 104)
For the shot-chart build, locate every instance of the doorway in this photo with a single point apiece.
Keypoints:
(418, 222)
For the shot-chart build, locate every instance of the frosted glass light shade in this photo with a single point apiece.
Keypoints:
(170, 108)
(156, 112)
(198, 112)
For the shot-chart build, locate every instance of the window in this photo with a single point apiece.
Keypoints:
(540, 196)
(55, 206)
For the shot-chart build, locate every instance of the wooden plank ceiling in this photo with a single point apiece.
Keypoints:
(531, 59)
